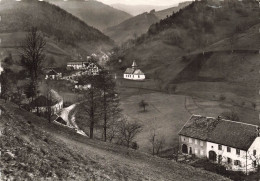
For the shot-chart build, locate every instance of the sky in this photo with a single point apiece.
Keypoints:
(143, 2)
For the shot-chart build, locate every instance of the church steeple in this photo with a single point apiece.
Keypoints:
(134, 65)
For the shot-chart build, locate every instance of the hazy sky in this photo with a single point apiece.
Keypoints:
(143, 2)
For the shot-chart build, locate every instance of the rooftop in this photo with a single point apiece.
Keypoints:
(229, 133)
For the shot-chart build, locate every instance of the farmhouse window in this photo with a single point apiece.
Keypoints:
(183, 138)
(196, 142)
(229, 160)
(228, 149)
(254, 152)
(190, 140)
(201, 152)
(237, 163)
(238, 152)
(196, 151)
(219, 147)
(254, 163)
(201, 143)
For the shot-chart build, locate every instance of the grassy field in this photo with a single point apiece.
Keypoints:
(167, 113)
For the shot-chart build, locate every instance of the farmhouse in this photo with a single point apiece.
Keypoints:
(76, 65)
(92, 69)
(55, 103)
(234, 145)
(134, 73)
(52, 74)
(81, 86)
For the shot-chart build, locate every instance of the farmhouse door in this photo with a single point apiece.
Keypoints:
(184, 148)
(212, 156)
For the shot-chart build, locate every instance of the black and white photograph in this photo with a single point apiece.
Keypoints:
(129, 90)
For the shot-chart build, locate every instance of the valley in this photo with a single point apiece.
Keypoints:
(91, 91)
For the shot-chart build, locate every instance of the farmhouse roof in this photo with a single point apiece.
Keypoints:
(229, 133)
(52, 72)
(76, 62)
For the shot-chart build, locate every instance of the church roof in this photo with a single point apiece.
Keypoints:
(138, 72)
(220, 131)
(129, 71)
(134, 64)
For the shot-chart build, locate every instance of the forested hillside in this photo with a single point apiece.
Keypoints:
(133, 27)
(63, 31)
(200, 43)
(94, 13)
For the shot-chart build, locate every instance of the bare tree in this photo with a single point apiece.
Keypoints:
(128, 131)
(109, 100)
(32, 56)
(33, 53)
(92, 103)
(152, 140)
(49, 100)
(159, 144)
(143, 105)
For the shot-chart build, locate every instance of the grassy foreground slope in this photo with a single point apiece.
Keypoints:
(34, 149)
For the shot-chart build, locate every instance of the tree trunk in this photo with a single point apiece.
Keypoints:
(105, 117)
(91, 135)
(105, 128)
(91, 132)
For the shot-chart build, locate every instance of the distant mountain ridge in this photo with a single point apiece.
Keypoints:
(94, 13)
(131, 28)
(136, 26)
(138, 9)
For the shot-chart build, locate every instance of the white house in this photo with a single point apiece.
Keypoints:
(134, 73)
(235, 145)
(55, 103)
(51, 73)
(76, 65)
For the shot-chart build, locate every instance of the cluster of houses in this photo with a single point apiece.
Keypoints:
(74, 70)
(235, 145)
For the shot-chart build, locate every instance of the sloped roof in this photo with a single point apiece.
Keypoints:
(229, 133)
(129, 71)
(52, 72)
(138, 72)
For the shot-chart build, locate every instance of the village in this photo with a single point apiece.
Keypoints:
(237, 149)
(178, 100)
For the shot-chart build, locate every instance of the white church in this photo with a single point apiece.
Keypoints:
(134, 73)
